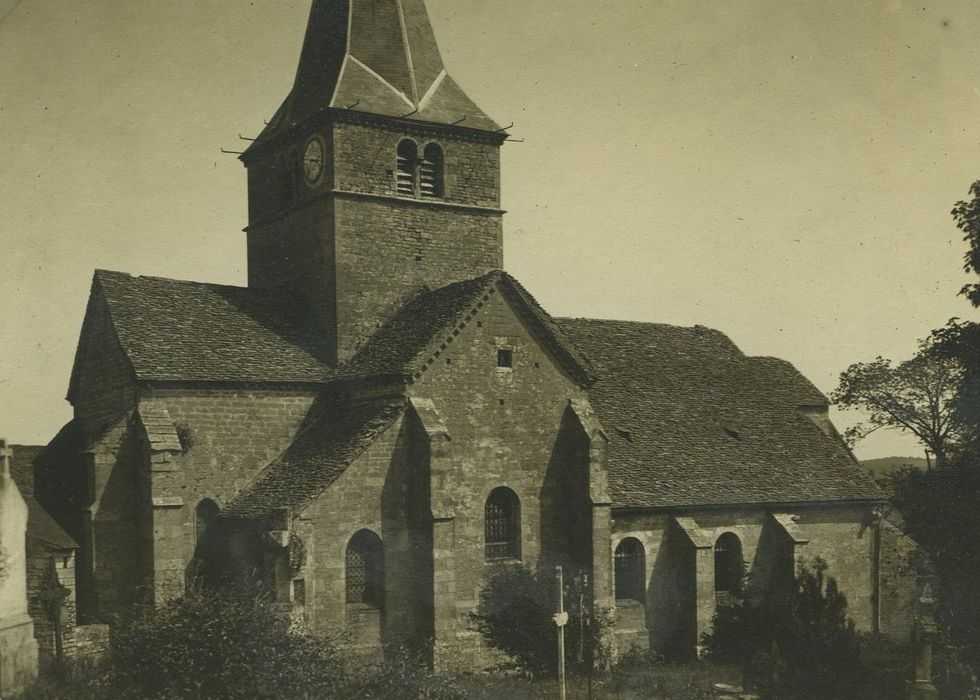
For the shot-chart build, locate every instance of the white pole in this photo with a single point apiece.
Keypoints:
(561, 635)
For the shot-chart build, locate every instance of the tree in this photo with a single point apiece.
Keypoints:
(967, 217)
(514, 615)
(803, 645)
(917, 396)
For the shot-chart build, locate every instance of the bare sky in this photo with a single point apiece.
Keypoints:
(780, 170)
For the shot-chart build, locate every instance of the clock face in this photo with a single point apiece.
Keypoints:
(313, 160)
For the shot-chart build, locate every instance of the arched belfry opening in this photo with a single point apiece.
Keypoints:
(406, 159)
(432, 175)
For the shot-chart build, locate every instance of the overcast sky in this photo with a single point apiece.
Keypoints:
(780, 170)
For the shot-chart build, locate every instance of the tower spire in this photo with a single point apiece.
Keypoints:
(375, 56)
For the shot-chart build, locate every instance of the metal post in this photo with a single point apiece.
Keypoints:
(560, 620)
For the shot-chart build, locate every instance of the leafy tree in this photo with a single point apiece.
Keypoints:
(917, 396)
(940, 513)
(967, 217)
(802, 645)
(514, 615)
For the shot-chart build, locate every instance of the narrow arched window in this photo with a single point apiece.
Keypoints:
(365, 566)
(431, 172)
(630, 570)
(729, 567)
(406, 165)
(502, 524)
(204, 516)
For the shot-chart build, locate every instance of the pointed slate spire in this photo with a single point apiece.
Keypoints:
(377, 56)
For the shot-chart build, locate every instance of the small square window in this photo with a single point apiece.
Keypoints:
(505, 358)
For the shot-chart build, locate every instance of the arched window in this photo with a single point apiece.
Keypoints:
(503, 524)
(204, 516)
(431, 180)
(729, 568)
(631, 570)
(406, 164)
(365, 570)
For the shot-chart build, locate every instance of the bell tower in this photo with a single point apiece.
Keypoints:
(377, 175)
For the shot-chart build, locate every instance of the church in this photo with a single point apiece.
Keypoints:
(383, 417)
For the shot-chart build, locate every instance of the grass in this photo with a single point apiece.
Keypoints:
(691, 681)
(660, 681)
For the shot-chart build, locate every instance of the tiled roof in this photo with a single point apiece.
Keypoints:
(692, 421)
(333, 437)
(41, 527)
(426, 323)
(190, 331)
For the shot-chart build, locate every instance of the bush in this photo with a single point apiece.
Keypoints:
(803, 646)
(220, 645)
(514, 615)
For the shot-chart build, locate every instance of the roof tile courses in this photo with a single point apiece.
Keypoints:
(191, 331)
(693, 422)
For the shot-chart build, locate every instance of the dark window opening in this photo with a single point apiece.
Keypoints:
(505, 358)
(729, 566)
(503, 525)
(431, 178)
(365, 570)
(406, 164)
(204, 517)
(630, 570)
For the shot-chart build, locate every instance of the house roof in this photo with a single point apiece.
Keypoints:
(379, 57)
(428, 322)
(692, 421)
(332, 438)
(41, 527)
(191, 331)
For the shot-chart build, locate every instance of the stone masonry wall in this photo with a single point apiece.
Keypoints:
(231, 434)
(505, 426)
(674, 581)
(352, 246)
(505, 430)
(104, 386)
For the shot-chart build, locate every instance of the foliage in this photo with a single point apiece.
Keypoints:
(223, 645)
(802, 645)
(514, 615)
(940, 514)
(967, 217)
(219, 644)
(917, 395)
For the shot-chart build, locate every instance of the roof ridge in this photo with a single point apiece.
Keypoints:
(158, 278)
(696, 326)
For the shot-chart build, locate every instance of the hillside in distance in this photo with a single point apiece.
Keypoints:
(888, 465)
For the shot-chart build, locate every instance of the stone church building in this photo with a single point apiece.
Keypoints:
(383, 417)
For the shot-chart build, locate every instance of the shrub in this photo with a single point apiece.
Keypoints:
(803, 646)
(220, 645)
(515, 612)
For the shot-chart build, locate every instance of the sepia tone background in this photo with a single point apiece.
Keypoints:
(782, 171)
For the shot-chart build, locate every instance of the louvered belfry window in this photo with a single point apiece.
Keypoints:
(431, 172)
(631, 570)
(406, 163)
(503, 525)
(365, 570)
